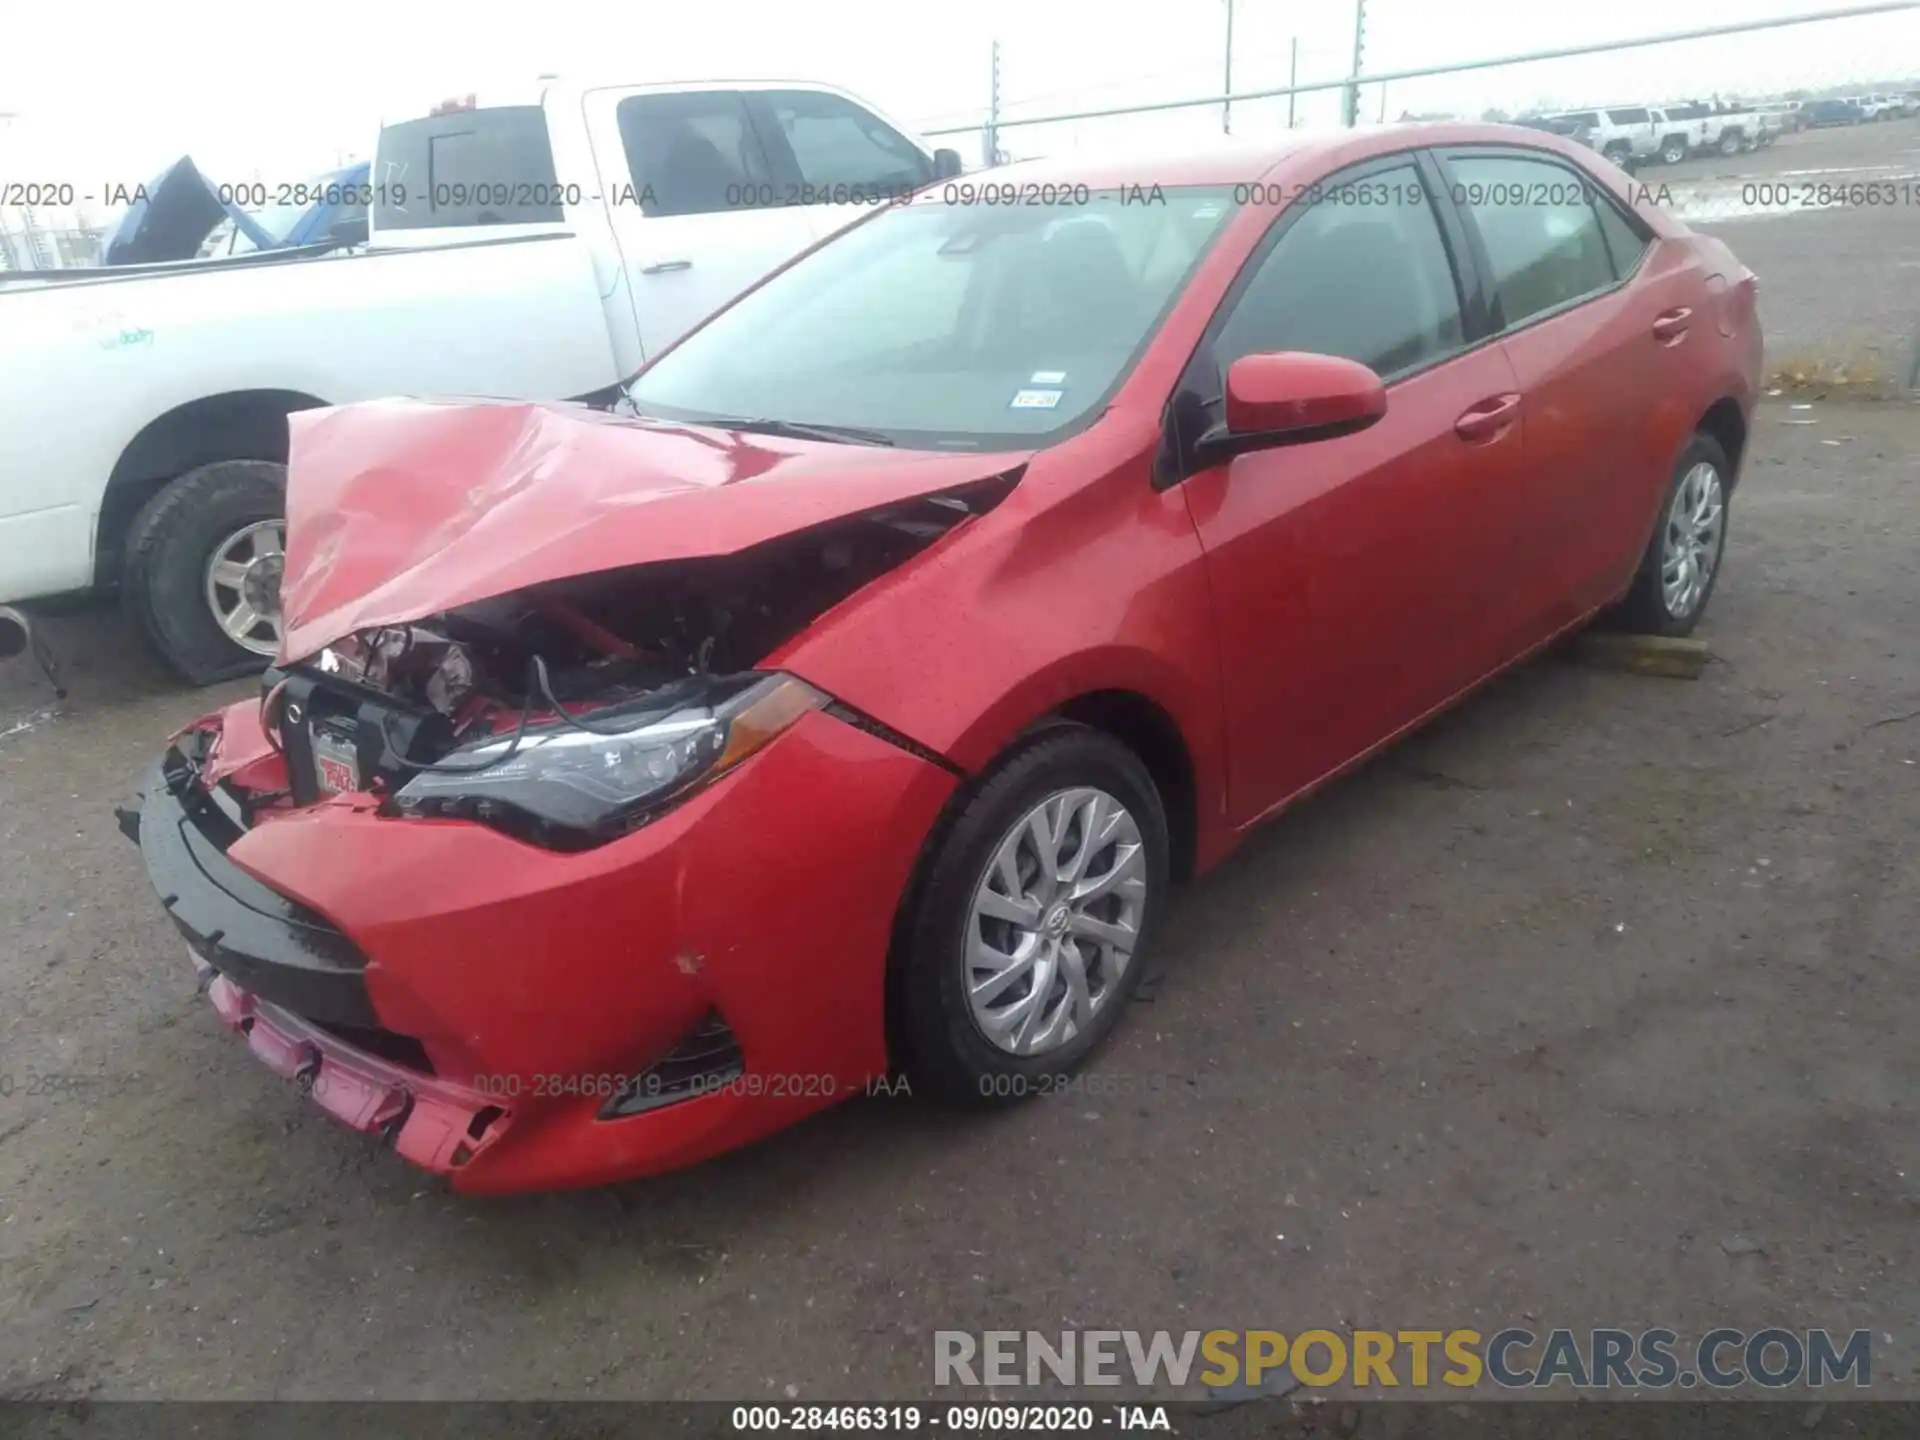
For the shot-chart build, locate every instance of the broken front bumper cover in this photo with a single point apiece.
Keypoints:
(437, 1125)
(279, 974)
(540, 1019)
(261, 940)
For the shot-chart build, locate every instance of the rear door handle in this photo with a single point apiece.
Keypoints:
(1671, 326)
(1489, 419)
(661, 267)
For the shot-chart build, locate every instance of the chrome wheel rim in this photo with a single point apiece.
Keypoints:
(1691, 547)
(1054, 921)
(243, 585)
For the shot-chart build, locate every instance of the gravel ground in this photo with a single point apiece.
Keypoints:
(1593, 1004)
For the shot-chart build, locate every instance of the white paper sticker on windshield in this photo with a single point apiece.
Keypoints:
(1035, 400)
(1048, 377)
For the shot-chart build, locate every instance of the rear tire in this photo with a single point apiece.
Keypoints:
(165, 587)
(1673, 152)
(1730, 143)
(953, 944)
(1658, 602)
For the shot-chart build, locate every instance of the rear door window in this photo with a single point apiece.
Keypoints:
(1539, 227)
(1634, 116)
(1625, 243)
(468, 167)
(694, 153)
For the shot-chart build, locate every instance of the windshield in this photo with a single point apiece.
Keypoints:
(950, 325)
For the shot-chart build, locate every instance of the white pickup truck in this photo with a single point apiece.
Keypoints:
(1643, 134)
(538, 251)
(1695, 128)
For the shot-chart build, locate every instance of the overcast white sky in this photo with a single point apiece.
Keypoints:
(270, 91)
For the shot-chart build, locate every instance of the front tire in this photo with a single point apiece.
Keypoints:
(203, 563)
(1682, 560)
(1032, 922)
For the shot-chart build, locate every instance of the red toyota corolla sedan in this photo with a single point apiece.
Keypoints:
(845, 700)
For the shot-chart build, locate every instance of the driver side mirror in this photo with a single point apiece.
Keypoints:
(1291, 398)
(947, 164)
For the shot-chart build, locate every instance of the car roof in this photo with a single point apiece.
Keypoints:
(1235, 162)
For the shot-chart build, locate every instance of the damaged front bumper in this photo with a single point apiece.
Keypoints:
(438, 1126)
(292, 983)
(518, 1018)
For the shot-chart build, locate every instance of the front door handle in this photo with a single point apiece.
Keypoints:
(1489, 419)
(1672, 326)
(661, 267)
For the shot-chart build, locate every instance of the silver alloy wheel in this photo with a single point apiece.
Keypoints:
(1054, 921)
(1691, 546)
(243, 585)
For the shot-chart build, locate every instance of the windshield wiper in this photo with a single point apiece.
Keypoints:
(801, 430)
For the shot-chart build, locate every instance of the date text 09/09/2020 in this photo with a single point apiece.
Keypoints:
(952, 1419)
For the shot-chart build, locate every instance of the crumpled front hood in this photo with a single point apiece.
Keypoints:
(400, 509)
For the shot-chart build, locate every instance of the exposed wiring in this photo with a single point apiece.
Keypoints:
(535, 666)
(546, 692)
(538, 683)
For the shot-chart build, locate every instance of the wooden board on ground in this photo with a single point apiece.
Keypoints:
(1642, 654)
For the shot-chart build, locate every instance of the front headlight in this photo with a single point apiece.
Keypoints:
(571, 786)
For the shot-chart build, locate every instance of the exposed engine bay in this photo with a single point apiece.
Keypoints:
(624, 647)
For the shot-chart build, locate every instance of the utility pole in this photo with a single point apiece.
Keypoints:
(1226, 106)
(1293, 78)
(8, 259)
(993, 112)
(1352, 106)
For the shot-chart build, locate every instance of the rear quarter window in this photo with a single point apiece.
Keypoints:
(467, 168)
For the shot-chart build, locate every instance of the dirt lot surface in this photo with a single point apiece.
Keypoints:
(1594, 1004)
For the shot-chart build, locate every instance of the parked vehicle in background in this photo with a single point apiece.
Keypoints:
(1190, 505)
(1625, 136)
(1721, 130)
(1682, 130)
(541, 251)
(1785, 114)
(1574, 129)
(1821, 114)
(1877, 107)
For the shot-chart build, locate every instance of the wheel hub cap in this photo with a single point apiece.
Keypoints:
(1691, 547)
(243, 585)
(1054, 921)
